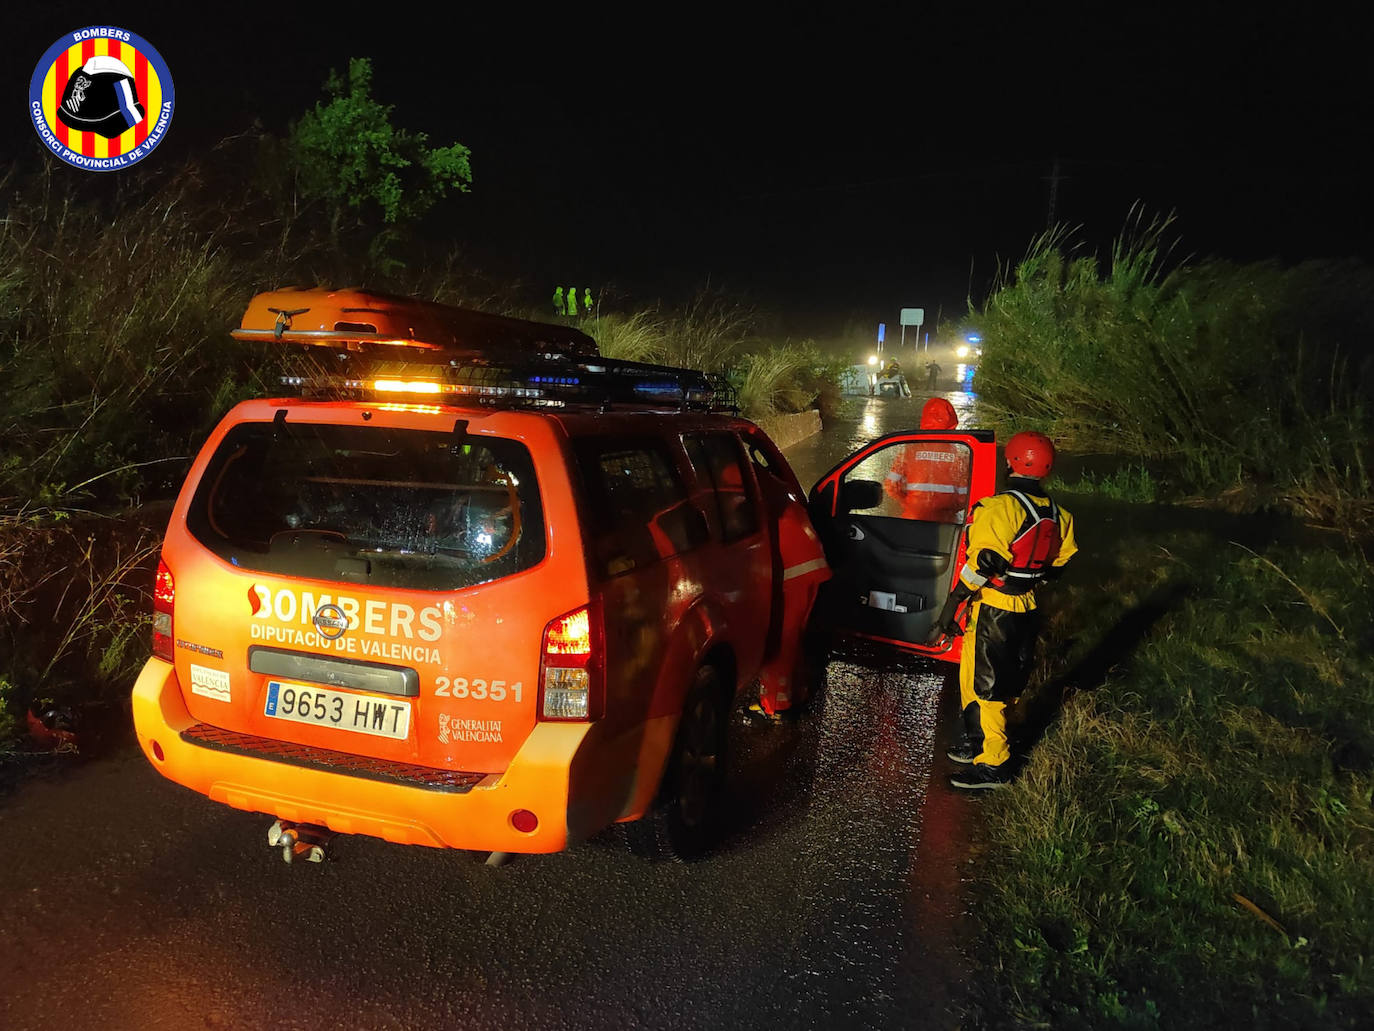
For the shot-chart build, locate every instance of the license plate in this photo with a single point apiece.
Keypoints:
(323, 707)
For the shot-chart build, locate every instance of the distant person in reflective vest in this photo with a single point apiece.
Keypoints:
(572, 300)
(587, 300)
(932, 375)
(930, 481)
(1015, 541)
(558, 300)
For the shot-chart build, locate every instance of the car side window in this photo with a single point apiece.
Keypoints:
(717, 459)
(760, 458)
(925, 481)
(769, 465)
(639, 507)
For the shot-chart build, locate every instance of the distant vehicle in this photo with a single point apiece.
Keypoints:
(491, 591)
(889, 380)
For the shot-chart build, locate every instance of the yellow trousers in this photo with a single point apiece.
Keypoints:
(992, 671)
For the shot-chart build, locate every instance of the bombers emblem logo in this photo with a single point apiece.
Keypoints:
(101, 98)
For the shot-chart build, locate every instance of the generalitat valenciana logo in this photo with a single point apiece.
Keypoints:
(101, 98)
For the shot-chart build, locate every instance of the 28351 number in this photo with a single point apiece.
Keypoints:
(477, 689)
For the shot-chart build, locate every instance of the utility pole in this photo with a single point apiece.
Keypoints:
(1054, 178)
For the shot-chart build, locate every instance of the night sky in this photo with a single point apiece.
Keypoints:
(835, 168)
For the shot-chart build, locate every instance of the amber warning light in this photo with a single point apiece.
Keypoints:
(406, 386)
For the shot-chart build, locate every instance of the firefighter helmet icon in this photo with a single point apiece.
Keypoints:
(102, 97)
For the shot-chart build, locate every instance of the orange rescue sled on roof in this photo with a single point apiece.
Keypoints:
(352, 318)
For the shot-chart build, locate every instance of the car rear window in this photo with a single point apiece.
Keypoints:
(360, 504)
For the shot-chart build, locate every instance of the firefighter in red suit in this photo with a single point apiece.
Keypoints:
(1015, 541)
(930, 481)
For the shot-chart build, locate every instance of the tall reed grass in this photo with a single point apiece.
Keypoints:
(1255, 379)
(113, 343)
(716, 334)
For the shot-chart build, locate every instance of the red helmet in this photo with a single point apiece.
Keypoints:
(1030, 454)
(938, 414)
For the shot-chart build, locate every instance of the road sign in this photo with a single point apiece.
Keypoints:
(913, 316)
(882, 328)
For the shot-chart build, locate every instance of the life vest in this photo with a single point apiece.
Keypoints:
(1033, 549)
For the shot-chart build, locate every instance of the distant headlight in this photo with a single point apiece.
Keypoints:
(962, 351)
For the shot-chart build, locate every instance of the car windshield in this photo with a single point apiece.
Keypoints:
(361, 504)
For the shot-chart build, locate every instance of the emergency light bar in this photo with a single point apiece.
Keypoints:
(606, 382)
(395, 346)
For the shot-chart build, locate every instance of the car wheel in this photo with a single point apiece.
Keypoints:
(683, 822)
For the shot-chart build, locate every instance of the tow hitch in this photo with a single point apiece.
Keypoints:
(299, 841)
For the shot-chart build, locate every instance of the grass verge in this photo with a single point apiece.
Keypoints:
(1191, 843)
(1129, 483)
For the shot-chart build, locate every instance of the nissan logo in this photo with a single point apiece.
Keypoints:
(330, 621)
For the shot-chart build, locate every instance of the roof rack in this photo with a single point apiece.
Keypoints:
(365, 322)
(358, 344)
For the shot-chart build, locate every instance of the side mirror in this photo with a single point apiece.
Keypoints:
(857, 495)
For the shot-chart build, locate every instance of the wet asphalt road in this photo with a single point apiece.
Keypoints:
(129, 902)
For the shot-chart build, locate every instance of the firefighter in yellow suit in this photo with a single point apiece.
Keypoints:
(1016, 540)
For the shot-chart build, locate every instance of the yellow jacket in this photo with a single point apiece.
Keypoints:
(993, 525)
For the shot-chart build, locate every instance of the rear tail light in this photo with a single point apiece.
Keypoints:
(572, 681)
(164, 594)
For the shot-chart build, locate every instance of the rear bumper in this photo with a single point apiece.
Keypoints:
(476, 818)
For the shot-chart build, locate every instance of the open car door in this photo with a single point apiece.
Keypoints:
(893, 533)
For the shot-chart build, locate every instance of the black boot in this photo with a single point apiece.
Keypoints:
(981, 777)
(962, 752)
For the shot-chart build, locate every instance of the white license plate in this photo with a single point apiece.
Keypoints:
(323, 707)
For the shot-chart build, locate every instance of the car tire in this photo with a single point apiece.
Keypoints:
(685, 819)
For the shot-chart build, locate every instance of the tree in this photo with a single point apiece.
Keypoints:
(348, 156)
